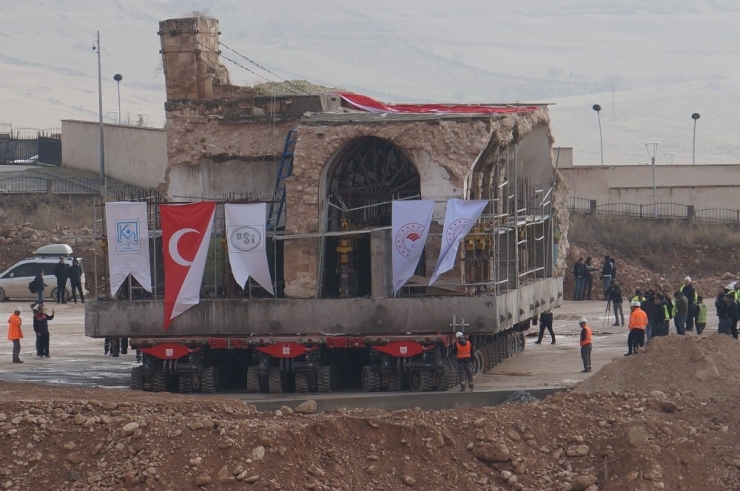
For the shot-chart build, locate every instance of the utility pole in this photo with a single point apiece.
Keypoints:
(118, 77)
(597, 108)
(103, 184)
(694, 116)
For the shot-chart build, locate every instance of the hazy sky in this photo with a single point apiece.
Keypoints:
(650, 64)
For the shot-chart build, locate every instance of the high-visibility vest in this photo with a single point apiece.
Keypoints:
(587, 339)
(638, 319)
(665, 312)
(701, 317)
(463, 351)
(637, 298)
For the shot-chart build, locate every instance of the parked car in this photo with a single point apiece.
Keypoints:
(30, 160)
(14, 281)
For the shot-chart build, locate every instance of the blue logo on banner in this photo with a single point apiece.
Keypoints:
(127, 237)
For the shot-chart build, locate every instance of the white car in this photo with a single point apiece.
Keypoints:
(14, 281)
(32, 160)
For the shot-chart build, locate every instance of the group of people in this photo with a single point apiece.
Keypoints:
(62, 273)
(583, 273)
(40, 327)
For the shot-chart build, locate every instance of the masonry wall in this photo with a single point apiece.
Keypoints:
(133, 154)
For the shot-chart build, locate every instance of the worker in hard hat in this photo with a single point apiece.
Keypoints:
(464, 349)
(585, 345)
(637, 324)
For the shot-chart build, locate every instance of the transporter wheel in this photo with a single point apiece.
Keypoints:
(158, 380)
(253, 380)
(522, 341)
(441, 379)
(490, 356)
(421, 380)
(395, 381)
(370, 379)
(274, 381)
(185, 383)
(301, 383)
(217, 382)
(514, 343)
(326, 379)
(208, 380)
(137, 379)
(451, 372)
(287, 382)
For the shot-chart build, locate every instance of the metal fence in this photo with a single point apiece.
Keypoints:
(661, 211)
(23, 184)
(20, 145)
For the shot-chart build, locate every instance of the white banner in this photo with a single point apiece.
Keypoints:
(245, 231)
(128, 244)
(411, 220)
(459, 219)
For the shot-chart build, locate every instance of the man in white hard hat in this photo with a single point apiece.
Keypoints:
(689, 292)
(585, 345)
(637, 324)
(15, 334)
(464, 350)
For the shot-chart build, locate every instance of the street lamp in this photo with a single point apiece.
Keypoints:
(117, 77)
(597, 108)
(103, 186)
(652, 154)
(694, 116)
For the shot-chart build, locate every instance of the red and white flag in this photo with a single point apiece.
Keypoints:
(410, 228)
(460, 218)
(186, 233)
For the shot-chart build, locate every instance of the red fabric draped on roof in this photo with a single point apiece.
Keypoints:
(369, 104)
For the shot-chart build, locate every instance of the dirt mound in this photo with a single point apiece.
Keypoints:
(96, 439)
(706, 367)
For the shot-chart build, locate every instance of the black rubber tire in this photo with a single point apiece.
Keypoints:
(326, 379)
(453, 379)
(421, 380)
(273, 381)
(490, 356)
(185, 383)
(253, 380)
(395, 382)
(301, 383)
(522, 342)
(137, 380)
(370, 379)
(208, 380)
(478, 363)
(158, 380)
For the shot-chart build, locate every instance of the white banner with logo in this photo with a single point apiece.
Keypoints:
(128, 244)
(411, 220)
(459, 219)
(245, 232)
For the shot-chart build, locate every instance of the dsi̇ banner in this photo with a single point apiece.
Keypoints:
(186, 234)
(128, 244)
(245, 232)
(411, 220)
(459, 219)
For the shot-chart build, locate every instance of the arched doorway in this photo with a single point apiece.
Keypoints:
(363, 178)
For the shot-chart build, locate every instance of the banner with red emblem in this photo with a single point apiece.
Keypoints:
(410, 228)
(186, 233)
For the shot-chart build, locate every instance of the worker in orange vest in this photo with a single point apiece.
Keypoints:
(585, 345)
(464, 360)
(15, 334)
(637, 324)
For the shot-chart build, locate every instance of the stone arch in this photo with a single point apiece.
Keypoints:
(358, 184)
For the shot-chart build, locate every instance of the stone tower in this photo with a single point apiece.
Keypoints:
(190, 50)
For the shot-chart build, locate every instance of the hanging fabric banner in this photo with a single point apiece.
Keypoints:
(460, 217)
(128, 244)
(245, 231)
(411, 220)
(186, 235)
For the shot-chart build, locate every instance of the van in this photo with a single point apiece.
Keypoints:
(14, 281)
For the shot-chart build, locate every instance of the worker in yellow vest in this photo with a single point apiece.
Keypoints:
(701, 315)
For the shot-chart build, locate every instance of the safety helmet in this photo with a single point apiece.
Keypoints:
(634, 303)
(459, 335)
(582, 320)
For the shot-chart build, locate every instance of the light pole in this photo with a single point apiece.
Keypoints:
(103, 185)
(118, 77)
(652, 154)
(597, 108)
(694, 116)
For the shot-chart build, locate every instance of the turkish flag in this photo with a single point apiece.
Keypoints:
(186, 233)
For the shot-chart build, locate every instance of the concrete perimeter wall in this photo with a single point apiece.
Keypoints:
(703, 186)
(133, 154)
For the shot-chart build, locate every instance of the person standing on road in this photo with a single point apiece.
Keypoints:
(648, 306)
(689, 292)
(589, 282)
(15, 334)
(585, 345)
(669, 305)
(61, 272)
(726, 311)
(579, 273)
(681, 308)
(701, 315)
(614, 294)
(658, 319)
(75, 281)
(546, 323)
(637, 324)
(606, 276)
(38, 282)
(464, 350)
(41, 328)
